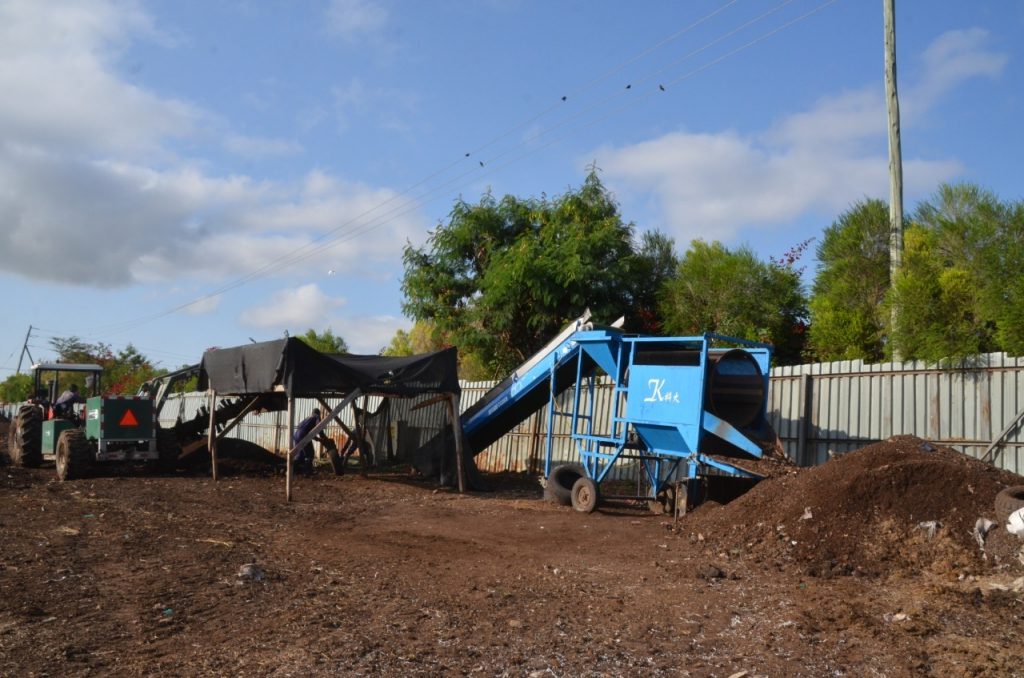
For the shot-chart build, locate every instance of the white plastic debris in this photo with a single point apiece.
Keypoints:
(930, 527)
(1015, 523)
(807, 514)
(982, 526)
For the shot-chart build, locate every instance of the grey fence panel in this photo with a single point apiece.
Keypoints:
(853, 404)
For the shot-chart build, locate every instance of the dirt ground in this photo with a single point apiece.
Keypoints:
(818, 572)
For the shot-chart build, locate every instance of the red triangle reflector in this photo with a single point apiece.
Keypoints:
(128, 419)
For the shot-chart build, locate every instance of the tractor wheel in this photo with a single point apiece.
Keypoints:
(74, 455)
(1008, 501)
(585, 495)
(560, 483)
(169, 449)
(25, 442)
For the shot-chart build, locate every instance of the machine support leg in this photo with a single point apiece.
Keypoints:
(211, 439)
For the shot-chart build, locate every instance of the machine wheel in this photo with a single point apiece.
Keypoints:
(584, 495)
(74, 455)
(561, 481)
(25, 441)
(1009, 500)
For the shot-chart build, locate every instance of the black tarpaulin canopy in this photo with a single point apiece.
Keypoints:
(299, 370)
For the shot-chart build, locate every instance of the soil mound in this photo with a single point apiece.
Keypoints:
(903, 504)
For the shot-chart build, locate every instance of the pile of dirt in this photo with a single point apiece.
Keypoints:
(900, 505)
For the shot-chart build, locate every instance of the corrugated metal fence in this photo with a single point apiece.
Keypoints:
(818, 411)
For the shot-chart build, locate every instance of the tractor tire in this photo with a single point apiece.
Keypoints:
(560, 483)
(1008, 501)
(25, 441)
(169, 449)
(585, 496)
(74, 455)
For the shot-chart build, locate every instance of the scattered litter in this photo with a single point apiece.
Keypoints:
(740, 674)
(251, 571)
(70, 531)
(807, 514)
(930, 527)
(89, 515)
(981, 528)
(168, 612)
(1015, 523)
(898, 617)
(928, 447)
(216, 541)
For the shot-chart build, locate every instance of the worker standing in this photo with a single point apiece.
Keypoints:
(303, 458)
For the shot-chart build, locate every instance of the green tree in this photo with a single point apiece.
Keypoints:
(503, 276)
(16, 388)
(325, 342)
(123, 372)
(735, 293)
(128, 370)
(424, 337)
(849, 317)
(959, 292)
(654, 265)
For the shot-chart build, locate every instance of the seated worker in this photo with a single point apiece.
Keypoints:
(303, 457)
(65, 405)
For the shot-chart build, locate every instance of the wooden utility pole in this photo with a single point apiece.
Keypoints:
(895, 158)
(24, 350)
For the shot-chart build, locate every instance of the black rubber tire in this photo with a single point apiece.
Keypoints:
(25, 442)
(585, 496)
(560, 482)
(74, 455)
(1009, 500)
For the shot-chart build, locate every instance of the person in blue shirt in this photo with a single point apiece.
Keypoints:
(303, 458)
(65, 405)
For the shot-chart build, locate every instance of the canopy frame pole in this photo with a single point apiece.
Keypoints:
(288, 454)
(456, 423)
(211, 434)
(324, 421)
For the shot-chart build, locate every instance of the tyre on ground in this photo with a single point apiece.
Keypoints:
(561, 481)
(585, 495)
(74, 455)
(25, 438)
(1009, 500)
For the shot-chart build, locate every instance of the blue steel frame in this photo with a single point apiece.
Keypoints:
(669, 425)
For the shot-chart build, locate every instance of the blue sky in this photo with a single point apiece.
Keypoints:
(189, 174)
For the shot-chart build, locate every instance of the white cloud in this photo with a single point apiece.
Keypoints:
(255, 147)
(355, 20)
(368, 334)
(712, 185)
(89, 177)
(298, 308)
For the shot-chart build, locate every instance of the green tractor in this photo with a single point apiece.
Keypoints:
(77, 437)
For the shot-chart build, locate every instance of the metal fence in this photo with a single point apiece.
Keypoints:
(825, 409)
(818, 410)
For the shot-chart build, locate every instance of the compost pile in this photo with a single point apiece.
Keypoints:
(899, 506)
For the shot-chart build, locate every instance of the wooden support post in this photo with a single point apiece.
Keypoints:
(211, 435)
(453, 414)
(288, 446)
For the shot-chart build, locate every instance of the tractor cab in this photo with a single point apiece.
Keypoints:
(82, 379)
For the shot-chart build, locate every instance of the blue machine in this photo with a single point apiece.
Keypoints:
(676, 400)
